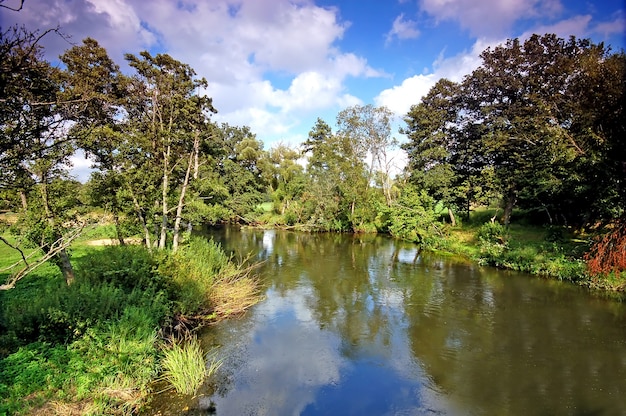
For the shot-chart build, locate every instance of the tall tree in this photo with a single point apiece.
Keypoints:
(167, 111)
(434, 148)
(369, 128)
(34, 142)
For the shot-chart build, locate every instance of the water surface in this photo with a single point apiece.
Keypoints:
(365, 325)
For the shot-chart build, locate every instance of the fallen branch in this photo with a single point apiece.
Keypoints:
(55, 248)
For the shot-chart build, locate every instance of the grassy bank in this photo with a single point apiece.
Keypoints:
(546, 251)
(96, 346)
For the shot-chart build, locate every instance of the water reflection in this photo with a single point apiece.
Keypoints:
(366, 325)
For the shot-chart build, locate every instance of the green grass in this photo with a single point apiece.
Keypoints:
(548, 251)
(92, 347)
(185, 367)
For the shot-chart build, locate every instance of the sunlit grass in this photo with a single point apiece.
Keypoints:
(185, 367)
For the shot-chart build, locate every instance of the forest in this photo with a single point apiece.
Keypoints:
(533, 139)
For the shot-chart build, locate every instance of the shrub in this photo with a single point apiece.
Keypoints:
(493, 242)
(127, 267)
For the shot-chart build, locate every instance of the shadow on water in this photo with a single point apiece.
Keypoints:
(356, 325)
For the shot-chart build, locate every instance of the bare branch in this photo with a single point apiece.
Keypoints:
(56, 247)
(15, 9)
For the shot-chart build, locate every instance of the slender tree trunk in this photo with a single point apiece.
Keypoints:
(63, 259)
(452, 218)
(196, 166)
(179, 208)
(165, 188)
(24, 200)
(118, 230)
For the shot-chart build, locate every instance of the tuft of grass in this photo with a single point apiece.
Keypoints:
(185, 367)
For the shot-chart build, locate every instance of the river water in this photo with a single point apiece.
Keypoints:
(366, 325)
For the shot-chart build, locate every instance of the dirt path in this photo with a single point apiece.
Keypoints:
(112, 242)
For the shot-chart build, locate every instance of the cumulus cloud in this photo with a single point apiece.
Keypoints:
(489, 18)
(239, 46)
(400, 98)
(402, 29)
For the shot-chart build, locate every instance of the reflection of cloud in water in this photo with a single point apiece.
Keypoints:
(408, 255)
(285, 362)
(268, 240)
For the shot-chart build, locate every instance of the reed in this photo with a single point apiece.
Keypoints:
(186, 367)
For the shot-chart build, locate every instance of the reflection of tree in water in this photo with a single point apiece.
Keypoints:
(495, 345)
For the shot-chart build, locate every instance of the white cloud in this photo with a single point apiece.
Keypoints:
(402, 29)
(399, 98)
(577, 26)
(616, 26)
(489, 18)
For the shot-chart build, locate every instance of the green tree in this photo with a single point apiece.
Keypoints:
(369, 128)
(242, 165)
(35, 146)
(165, 115)
(435, 147)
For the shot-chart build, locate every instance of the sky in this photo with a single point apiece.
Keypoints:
(278, 65)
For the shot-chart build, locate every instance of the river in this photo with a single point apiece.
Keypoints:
(367, 325)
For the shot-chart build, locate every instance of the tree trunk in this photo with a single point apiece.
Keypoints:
(118, 231)
(452, 218)
(66, 266)
(179, 208)
(509, 204)
(196, 166)
(165, 188)
(62, 257)
(24, 200)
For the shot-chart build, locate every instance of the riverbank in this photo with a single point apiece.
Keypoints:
(551, 252)
(96, 346)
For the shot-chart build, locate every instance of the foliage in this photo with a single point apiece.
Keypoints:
(412, 217)
(537, 125)
(206, 282)
(125, 267)
(608, 252)
(111, 366)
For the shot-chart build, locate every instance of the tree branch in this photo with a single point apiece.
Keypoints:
(56, 247)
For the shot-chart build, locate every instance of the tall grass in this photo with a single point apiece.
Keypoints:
(185, 367)
(207, 282)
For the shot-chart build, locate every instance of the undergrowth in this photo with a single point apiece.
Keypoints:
(94, 347)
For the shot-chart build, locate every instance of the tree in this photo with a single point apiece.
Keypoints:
(523, 97)
(435, 152)
(165, 117)
(34, 142)
(338, 178)
(369, 128)
(537, 123)
(242, 166)
(286, 181)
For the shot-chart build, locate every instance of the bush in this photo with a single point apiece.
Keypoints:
(493, 242)
(126, 267)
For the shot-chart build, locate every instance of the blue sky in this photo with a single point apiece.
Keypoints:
(277, 65)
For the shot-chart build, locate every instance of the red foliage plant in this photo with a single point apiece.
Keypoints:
(608, 252)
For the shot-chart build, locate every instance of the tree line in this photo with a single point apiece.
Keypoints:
(538, 126)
